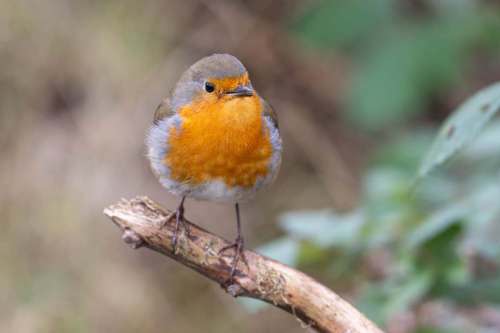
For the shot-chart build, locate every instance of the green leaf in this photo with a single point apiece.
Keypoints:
(478, 291)
(437, 223)
(483, 231)
(385, 183)
(324, 228)
(409, 292)
(462, 127)
(487, 145)
(387, 204)
(284, 249)
(441, 256)
(372, 301)
(311, 253)
(405, 150)
(382, 300)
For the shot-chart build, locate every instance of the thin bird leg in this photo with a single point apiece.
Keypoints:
(179, 219)
(237, 245)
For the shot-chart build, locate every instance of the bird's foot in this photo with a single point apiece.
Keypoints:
(238, 253)
(179, 219)
(167, 219)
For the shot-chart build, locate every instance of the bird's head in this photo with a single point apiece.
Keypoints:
(216, 78)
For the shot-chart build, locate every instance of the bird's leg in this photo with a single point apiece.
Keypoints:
(237, 245)
(179, 219)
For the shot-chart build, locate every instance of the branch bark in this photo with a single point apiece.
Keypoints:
(256, 277)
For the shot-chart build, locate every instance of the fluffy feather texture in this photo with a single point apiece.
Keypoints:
(215, 146)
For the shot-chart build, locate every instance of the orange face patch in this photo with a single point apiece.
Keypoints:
(229, 83)
(220, 138)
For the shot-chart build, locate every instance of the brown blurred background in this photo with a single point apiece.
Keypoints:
(79, 81)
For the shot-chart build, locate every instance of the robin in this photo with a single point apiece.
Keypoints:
(215, 139)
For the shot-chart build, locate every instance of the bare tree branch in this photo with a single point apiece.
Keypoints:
(259, 277)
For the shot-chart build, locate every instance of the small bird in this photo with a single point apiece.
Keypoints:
(215, 139)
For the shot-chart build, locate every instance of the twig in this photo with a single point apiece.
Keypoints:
(258, 277)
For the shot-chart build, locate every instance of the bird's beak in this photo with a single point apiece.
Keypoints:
(241, 91)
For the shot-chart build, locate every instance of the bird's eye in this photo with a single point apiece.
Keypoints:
(209, 87)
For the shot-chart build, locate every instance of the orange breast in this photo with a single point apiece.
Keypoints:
(223, 139)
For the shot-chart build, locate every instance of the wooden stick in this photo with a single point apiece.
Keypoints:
(257, 277)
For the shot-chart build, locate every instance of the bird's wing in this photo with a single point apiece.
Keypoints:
(269, 112)
(164, 110)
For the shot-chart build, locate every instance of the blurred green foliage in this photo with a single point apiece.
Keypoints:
(462, 127)
(435, 235)
(401, 62)
(419, 234)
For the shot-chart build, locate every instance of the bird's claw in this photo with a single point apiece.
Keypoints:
(238, 253)
(179, 219)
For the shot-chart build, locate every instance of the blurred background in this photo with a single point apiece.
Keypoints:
(360, 88)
